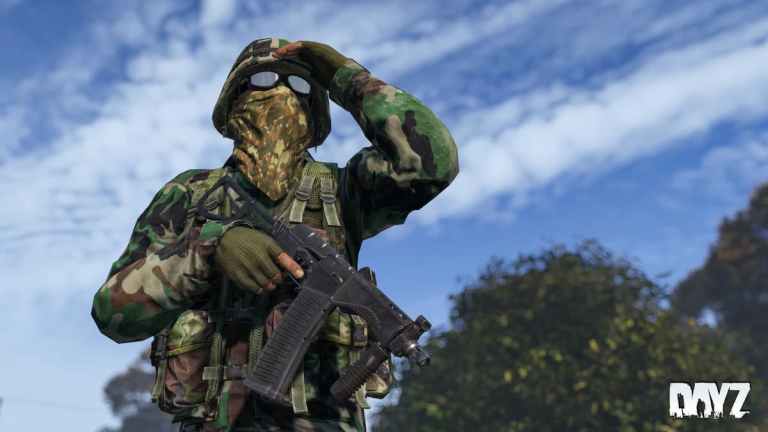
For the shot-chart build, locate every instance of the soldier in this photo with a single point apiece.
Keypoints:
(211, 292)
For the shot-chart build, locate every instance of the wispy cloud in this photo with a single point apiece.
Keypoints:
(217, 12)
(727, 172)
(528, 141)
(436, 38)
(15, 131)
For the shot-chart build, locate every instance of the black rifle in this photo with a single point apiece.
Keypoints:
(329, 281)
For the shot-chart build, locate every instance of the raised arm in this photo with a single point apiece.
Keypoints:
(413, 156)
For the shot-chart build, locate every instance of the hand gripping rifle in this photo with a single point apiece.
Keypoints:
(329, 281)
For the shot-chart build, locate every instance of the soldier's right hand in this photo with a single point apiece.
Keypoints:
(253, 260)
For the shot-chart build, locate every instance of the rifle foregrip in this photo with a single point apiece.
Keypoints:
(357, 374)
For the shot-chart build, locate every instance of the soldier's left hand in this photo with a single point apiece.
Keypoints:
(323, 59)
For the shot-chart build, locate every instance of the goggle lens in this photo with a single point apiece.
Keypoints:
(299, 84)
(264, 79)
(268, 79)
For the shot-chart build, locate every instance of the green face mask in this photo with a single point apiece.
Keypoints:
(271, 130)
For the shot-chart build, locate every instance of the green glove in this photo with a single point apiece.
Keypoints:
(253, 260)
(323, 59)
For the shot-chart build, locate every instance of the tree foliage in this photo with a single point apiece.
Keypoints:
(733, 281)
(567, 340)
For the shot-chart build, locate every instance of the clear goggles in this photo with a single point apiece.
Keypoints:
(267, 79)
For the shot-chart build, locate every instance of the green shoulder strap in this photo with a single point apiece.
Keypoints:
(325, 174)
(318, 184)
(215, 369)
(159, 359)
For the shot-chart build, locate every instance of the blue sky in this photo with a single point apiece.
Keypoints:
(641, 123)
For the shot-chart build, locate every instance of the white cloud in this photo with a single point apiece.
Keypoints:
(217, 12)
(15, 130)
(559, 131)
(727, 172)
(404, 54)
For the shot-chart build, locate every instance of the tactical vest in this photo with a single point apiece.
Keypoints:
(200, 362)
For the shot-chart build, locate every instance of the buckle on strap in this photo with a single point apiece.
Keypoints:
(304, 191)
(159, 349)
(327, 190)
(328, 197)
(297, 211)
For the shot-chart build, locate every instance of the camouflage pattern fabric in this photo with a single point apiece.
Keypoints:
(157, 277)
(258, 56)
(272, 131)
(188, 353)
(167, 268)
(413, 157)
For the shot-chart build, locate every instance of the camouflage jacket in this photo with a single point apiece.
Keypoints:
(167, 266)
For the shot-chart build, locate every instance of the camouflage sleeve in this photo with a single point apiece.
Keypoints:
(413, 157)
(162, 272)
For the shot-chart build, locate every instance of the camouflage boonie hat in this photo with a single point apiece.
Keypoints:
(258, 56)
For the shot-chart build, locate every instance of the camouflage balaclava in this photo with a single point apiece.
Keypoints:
(271, 128)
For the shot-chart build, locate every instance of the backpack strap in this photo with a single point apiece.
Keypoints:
(214, 372)
(328, 197)
(312, 173)
(256, 336)
(302, 195)
(159, 359)
(318, 186)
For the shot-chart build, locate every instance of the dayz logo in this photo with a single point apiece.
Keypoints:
(705, 400)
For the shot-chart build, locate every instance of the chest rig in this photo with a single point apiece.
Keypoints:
(223, 339)
(315, 203)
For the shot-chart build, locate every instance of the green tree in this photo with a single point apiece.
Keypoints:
(128, 395)
(567, 340)
(732, 284)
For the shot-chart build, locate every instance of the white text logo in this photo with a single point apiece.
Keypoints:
(705, 400)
